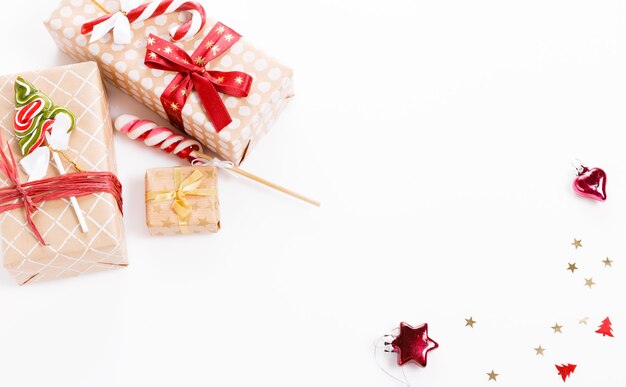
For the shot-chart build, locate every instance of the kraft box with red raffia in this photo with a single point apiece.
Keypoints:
(69, 251)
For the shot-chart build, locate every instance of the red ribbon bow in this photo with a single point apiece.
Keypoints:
(192, 74)
(57, 187)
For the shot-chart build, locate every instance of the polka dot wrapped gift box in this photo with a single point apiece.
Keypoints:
(213, 84)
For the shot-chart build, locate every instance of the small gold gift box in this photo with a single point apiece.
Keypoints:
(182, 200)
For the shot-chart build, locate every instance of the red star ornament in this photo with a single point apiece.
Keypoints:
(413, 343)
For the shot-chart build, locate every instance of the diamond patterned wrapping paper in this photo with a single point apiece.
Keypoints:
(70, 252)
(160, 216)
(124, 66)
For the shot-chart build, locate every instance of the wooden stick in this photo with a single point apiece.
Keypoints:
(262, 181)
(77, 210)
(97, 3)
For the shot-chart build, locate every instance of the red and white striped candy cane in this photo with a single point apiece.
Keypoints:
(185, 148)
(157, 136)
(156, 8)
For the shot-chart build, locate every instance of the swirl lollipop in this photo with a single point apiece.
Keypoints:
(37, 120)
(30, 104)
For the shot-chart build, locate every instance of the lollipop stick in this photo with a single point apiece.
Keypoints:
(264, 182)
(184, 147)
(99, 5)
(73, 201)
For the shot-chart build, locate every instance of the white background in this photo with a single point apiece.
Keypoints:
(438, 136)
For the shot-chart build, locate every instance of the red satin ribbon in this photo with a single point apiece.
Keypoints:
(192, 74)
(62, 186)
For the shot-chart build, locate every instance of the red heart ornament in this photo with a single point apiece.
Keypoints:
(591, 183)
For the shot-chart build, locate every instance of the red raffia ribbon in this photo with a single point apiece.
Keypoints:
(192, 74)
(63, 186)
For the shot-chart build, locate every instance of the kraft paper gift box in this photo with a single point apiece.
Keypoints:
(123, 65)
(70, 251)
(182, 200)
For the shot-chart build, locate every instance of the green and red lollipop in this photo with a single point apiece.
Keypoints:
(38, 120)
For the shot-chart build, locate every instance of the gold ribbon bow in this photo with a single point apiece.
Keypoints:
(180, 204)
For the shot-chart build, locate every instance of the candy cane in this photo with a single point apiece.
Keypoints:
(185, 148)
(157, 136)
(120, 21)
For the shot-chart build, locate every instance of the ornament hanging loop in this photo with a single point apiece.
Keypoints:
(578, 165)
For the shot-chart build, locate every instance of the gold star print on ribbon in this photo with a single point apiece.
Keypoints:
(184, 188)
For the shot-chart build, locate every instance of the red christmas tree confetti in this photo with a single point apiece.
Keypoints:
(605, 329)
(565, 370)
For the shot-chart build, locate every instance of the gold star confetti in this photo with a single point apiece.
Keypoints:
(219, 80)
(557, 328)
(539, 350)
(152, 55)
(200, 61)
(174, 106)
(220, 30)
(239, 80)
(577, 243)
(150, 41)
(469, 322)
(215, 49)
(589, 282)
(607, 262)
(209, 44)
(228, 37)
(572, 267)
(168, 50)
(492, 375)
(583, 320)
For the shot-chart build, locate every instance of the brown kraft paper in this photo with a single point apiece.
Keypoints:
(70, 252)
(161, 218)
